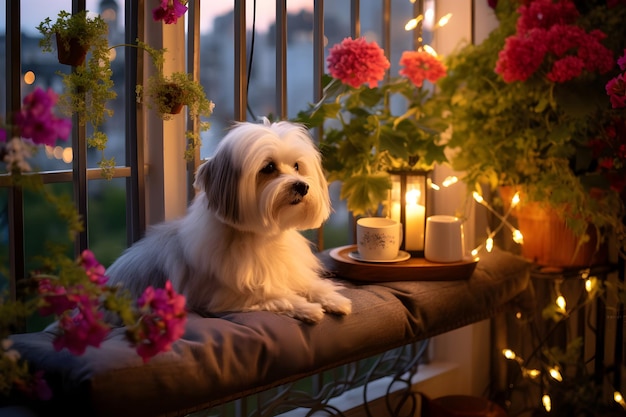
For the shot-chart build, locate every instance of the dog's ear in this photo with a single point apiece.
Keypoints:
(219, 179)
(201, 177)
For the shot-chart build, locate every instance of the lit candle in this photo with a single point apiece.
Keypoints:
(415, 220)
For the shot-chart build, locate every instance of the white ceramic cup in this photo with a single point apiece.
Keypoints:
(378, 238)
(444, 241)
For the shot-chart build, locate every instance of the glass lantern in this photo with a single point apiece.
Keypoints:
(408, 204)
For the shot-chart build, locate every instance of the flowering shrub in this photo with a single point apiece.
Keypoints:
(370, 127)
(169, 11)
(74, 291)
(528, 108)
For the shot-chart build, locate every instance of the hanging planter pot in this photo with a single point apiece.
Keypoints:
(172, 98)
(547, 239)
(71, 51)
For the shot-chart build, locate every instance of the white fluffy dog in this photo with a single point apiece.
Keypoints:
(239, 247)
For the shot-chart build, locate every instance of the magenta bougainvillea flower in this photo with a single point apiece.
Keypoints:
(36, 120)
(420, 66)
(95, 271)
(169, 11)
(356, 62)
(163, 319)
(55, 298)
(547, 40)
(84, 326)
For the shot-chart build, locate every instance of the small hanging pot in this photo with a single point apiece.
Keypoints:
(70, 52)
(173, 98)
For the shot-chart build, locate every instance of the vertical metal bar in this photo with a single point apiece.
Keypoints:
(281, 58)
(240, 61)
(318, 48)
(387, 29)
(418, 10)
(318, 71)
(355, 18)
(193, 66)
(135, 184)
(79, 165)
(13, 64)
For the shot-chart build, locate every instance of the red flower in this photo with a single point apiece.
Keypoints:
(521, 56)
(356, 62)
(545, 14)
(169, 11)
(546, 33)
(36, 119)
(420, 65)
(616, 90)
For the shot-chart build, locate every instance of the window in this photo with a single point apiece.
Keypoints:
(268, 64)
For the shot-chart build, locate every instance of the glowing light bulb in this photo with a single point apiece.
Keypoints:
(515, 200)
(518, 315)
(619, 398)
(450, 181)
(555, 374)
(412, 24)
(430, 50)
(518, 237)
(475, 252)
(533, 373)
(588, 285)
(434, 186)
(560, 303)
(547, 402)
(489, 244)
(477, 197)
(509, 354)
(444, 20)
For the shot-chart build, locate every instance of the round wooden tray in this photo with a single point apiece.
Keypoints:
(413, 269)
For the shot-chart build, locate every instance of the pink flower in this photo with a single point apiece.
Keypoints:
(169, 11)
(55, 298)
(616, 90)
(95, 271)
(356, 62)
(81, 328)
(420, 65)
(37, 121)
(621, 61)
(162, 322)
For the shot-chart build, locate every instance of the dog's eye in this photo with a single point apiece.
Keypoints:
(269, 168)
(296, 167)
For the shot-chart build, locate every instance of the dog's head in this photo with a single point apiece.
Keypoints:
(265, 178)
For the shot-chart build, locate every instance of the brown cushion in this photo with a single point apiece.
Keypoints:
(223, 358)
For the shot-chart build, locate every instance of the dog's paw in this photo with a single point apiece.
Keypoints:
(308, 312)
(336, 303)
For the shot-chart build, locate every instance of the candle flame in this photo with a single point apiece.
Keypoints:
(413, 196)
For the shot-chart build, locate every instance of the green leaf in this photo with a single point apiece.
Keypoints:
(363, 193)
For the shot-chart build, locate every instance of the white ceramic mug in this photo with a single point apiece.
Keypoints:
(378, 238)
(444, 240)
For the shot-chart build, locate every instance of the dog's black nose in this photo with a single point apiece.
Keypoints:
(301, 188)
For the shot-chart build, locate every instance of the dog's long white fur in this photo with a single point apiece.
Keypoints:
(239, 247)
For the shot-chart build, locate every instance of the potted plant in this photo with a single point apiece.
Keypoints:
(370, 129)
(75, 34)
(528, 109)
(168, 94)
(89, 87)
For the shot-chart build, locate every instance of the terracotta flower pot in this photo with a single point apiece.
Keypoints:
(73, 55)
(173, 99)
(547, 239)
